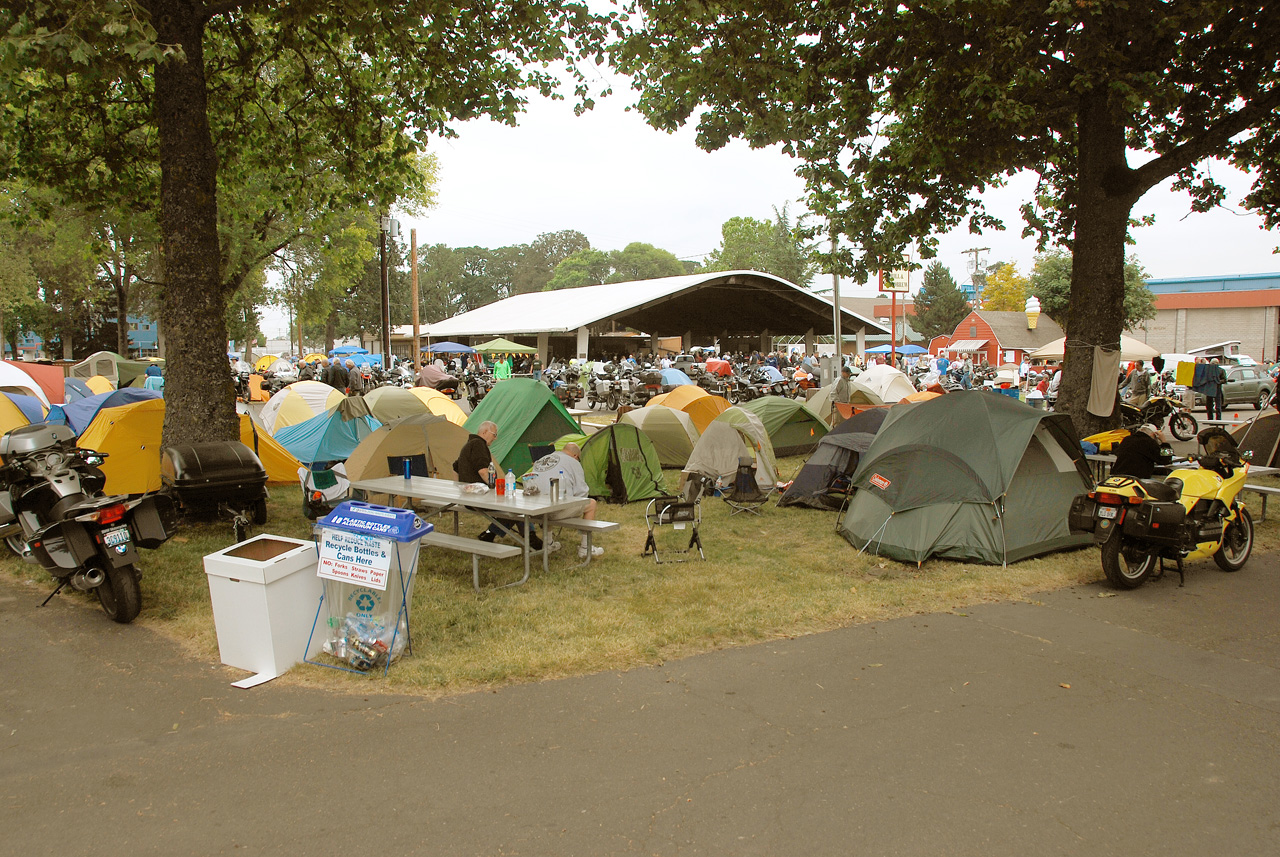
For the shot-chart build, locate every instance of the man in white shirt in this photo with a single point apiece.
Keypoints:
(565, 466)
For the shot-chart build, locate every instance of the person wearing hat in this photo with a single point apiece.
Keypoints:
(842, 392)
(1140, 453)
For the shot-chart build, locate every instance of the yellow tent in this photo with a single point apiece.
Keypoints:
(264, 362)
(281, 466)
(99, 384)
(388, 404)
(314, 357)
(11, 416)
(701, 406)
(130, 435)
(429, 435)
(297, 403)
(440, 404)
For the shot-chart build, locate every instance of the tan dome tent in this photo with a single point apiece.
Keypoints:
(381, 454)
(672, 432)
(730, 436)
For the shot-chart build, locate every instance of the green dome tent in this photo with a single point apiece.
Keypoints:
(793, 428)
(967, 476)
(525, 412)
(622, 465)
(672, 432)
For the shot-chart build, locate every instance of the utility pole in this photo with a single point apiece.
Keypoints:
(975, 266)
(835, 301)
(413, 269)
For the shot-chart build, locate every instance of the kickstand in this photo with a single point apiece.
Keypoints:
(53, 593)
(1182, 579)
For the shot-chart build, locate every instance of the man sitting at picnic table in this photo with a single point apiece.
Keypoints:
(474, 465)
(565, 466)
(1141, 452)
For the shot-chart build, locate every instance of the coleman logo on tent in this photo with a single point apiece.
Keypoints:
(879, 481)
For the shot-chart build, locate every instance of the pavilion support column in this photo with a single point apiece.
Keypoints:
(766, 340)
(582, 343)
(810, 347)
(686, 341)
(544, 348)
(861, 347)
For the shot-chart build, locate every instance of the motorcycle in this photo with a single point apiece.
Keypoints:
(478, 383)
(602, 387)
(1156, 411)
(53, 512)
(739, 390)
(1194, 513)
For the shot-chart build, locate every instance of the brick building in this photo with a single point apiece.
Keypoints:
(1192, 312)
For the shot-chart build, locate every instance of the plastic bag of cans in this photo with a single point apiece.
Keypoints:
(366, 644)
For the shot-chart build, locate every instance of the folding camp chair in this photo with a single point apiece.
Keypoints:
(745, 495)
(679, 512)
(323, 489)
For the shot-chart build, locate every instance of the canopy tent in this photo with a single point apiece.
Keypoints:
(14, 380)
(347, 351)
(672, 432)
(674, 378)
(79, 414)
(525, 412)
(447, 347)
(130, 435)
(298, 402)
(905, 348)
(51, 379)
(793, 429)
(281, 466)
(504, 346)
(120, 371)
(17, 410)
(331, 436)
(701, 406)
(622, 465)
(835, 458)
(732, 435)
(1130, 349)
(967, 476)
(434, 438)
(439, 404)
(73, 389)
(363, 359)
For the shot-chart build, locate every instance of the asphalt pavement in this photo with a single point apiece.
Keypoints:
(1090, 722)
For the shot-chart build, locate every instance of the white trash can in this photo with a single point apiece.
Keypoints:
(264, 593)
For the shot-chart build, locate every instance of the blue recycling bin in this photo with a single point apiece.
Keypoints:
(368, 555)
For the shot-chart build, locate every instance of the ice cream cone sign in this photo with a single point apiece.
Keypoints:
(1033, 312)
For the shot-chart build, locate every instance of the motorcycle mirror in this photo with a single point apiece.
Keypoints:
(1247, 455)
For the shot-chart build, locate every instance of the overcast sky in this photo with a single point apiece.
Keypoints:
(611, 177)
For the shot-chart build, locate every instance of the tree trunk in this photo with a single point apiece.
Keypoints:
(122, 309)
(1104, 198)
(199, 394)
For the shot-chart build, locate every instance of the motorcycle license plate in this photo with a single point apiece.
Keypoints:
(1107, 512)
(116, 536)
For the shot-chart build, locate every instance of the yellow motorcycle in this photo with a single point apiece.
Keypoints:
(1194, 513)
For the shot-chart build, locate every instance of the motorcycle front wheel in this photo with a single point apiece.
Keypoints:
(120, 595)
(1183, 426)
(733, 397)
(613, 401)
(17, 544)
(1237, 543)
(1126, 568)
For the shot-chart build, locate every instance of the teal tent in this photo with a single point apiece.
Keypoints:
(622, 465)
(967, 476)
(526, 413)
(331, 436)
(793, 428)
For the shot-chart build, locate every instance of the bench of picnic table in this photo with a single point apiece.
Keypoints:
(587, 526)
(1265, 491)
(475, 547)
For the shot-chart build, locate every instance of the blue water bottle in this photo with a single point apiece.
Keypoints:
(407, 468)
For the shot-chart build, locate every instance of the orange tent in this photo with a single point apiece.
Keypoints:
(52, 379)
(701, 406)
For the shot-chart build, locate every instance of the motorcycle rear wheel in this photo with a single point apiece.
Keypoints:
(1122, 572)
(120, 595)
(1183, 426)
(1237, 543)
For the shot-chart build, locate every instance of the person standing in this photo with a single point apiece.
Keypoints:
(1221, 375)
(841, 394)
(1139, 384)
(337, 376)
(502, 368)
(355, 379)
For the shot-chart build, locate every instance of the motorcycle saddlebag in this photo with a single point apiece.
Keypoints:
(204, 475)
(1156, 522)
(1081, 517)
(65, 544)
(154, 520)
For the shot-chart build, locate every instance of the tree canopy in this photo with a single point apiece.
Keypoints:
(636, 261)
(170, 105)
(902, 115)
(776, 248)
(1005, 289)
(1050, 281)
(939, 305)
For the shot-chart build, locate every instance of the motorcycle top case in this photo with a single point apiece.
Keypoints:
(203, 475)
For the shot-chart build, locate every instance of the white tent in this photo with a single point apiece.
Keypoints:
(14, 380)
(1130, 349)
(891, 385)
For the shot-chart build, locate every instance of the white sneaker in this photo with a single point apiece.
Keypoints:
(595, 552)
(552, 547)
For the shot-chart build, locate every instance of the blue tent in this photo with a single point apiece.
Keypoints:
(30, 406)
(772, 373)
(906, 349)
(331, 436)
(449, 348)
(75, 389)
(80, 413)
(674, 378)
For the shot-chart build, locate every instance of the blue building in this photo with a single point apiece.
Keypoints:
(144, 341)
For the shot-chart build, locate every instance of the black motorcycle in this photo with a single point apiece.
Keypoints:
(53, 512)
(1158, 409)
(478, 383)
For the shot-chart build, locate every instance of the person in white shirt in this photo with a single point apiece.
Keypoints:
(565, 466)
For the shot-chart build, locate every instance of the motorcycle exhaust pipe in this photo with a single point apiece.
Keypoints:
(88, 579)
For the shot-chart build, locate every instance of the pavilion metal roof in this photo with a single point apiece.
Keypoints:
(732, 302)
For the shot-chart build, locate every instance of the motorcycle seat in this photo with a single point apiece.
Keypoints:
(1164, 491)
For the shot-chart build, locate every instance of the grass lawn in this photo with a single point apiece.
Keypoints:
(784, 574)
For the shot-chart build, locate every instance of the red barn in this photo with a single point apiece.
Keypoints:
(994, 335)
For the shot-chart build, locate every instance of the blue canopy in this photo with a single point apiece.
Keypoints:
(327, 436)
(80, 413)
(365, 359)
(347, 350)
(449, 348)
(674, 378)
(907, 349)
(30, 406)
(772, 373)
